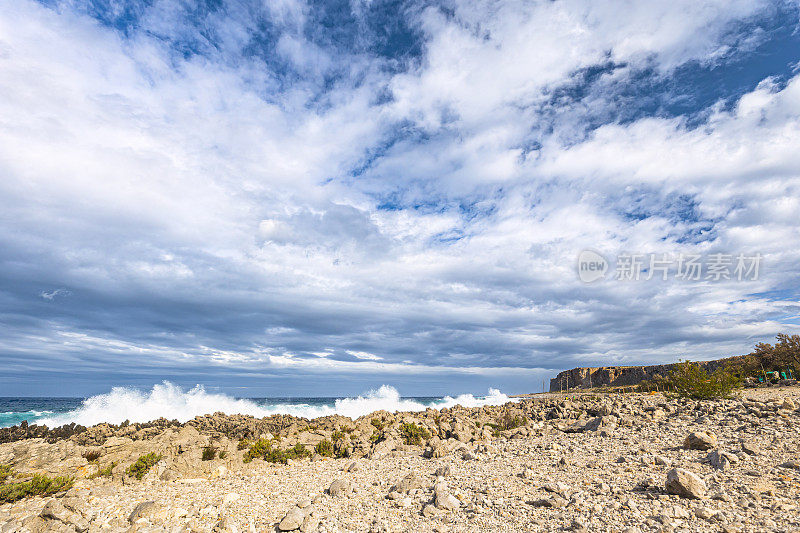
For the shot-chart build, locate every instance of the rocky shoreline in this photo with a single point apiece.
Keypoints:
(589, 462)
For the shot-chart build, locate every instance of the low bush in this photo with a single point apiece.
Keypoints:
(38, 485)
(413, 434)
(297, 452)
(5, 472)
(104, 472)
(508, 421)
(92, 455)
(142, 465)
(324, 448)
(243, 444)
(689, 380)
(262, 449)
(209, 453)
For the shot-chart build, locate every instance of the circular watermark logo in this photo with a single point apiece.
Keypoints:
(591, 266)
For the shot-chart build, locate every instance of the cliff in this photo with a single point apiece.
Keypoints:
(621, 376)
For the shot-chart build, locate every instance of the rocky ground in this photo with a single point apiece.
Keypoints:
(583, 463)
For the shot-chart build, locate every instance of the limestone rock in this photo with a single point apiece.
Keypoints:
(409, 482)
(339, 487)
(144, 510)
(442, 498)
(443, 471)
(700, 440)
(750, 447)
(293, 519)
(685, 484)
(721, 460)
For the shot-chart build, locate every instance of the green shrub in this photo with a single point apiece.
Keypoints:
(337, 436)
(689, 380)
(262, 449)
(243, 443)
(378, 423)
(259, 448)
(223, 454)
(324, 448)
(38, 485)
(413, 434)
(209, 453)
(297, 452)
(5, 472)
(508, 421)
(142, 465)
(376, 437)
(104, 472)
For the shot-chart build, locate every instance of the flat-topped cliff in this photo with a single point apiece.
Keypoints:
(622, 376)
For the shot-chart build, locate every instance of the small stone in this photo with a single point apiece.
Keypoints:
(721, 460)
(700, 440)
(443, 471)
(685, 484)
(310, 523)
(750, 448)
(562, 489)
(409, 482)
(143, 510)
(552, 502)
(55, 511)
(442, 498)
(791, 464)
(293, 519)
(429, 511)
(339, 488)
(705, 513)
(580, 525)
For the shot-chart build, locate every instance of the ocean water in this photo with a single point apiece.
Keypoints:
(175, 403)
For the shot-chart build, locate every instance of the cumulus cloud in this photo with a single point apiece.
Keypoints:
(243, 191)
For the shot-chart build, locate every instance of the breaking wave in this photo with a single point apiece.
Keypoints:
(173, 403)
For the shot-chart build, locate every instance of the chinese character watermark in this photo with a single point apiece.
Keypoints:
(593, 266)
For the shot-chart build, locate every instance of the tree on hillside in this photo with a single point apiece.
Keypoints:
(784, 354)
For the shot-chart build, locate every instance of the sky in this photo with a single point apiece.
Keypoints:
(314, 198)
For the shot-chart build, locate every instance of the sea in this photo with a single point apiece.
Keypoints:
(172, 402)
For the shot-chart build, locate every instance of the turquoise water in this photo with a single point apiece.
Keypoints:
(16, 410)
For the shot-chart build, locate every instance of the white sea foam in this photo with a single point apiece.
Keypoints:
(173, 403)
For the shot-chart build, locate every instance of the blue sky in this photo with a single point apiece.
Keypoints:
(316, 198)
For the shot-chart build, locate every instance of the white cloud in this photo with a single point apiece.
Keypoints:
(207, 208)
